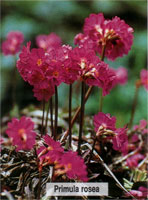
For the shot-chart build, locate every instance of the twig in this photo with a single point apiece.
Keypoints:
(43, 116)
(81, 116)
(109, 171)
(130, 154)
(91, 153)
(47, 113)
(134, 107)
(14, 76)
(77, 113)
(51, 116)
(56, 113)
(101, 100)
(142, 162)
(70, 106)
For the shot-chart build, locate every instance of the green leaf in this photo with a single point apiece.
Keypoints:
(128, 184)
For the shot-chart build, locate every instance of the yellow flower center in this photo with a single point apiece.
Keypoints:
(23, 135)
(39, 62)
(56, 73)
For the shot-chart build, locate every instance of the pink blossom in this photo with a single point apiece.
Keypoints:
(23, 62)
(104, 121)
(141, 127)
(12, 44)
(83, 40)
(106, 78)
(48, 42)
(21, 132)
(51, 153)
(135, 138)
(44, 93)
(92, 70)
(86, 62)
(132, 161)
(115, 34)
(140, 193)
(69, 71)
(144, 78)
(74, 166)
(121, 75)
(55, 72)
(120, 140)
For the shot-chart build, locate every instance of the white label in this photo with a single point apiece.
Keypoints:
(76, 189)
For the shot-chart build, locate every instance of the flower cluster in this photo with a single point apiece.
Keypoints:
(45, 70)
(113, 35)
(48, 42)
(105, 126)
(21, 132)
(12, 44)
(64, 162)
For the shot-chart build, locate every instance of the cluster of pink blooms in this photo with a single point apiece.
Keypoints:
(115, 35)
(64, 162)
(21, 132)
(12, 44)
(105, 125)
(53, 63)
(23, 137)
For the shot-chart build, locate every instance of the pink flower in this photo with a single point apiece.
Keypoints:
(106, 78)
(48, 42)
(92, 70)
(104, 122)
(115, 34)
(74, 166)
(44, 93)
(135, 138)
(86, 62)
(120, 140)
(141, 127)
(23, 62)
(121, 75)
(21, 132)
(144, 78)
(51, 153)
(83, 40)
(140, 193)
(55, 72)
(12, 44)
(132, 161)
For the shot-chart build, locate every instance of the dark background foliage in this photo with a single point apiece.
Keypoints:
(66, 19)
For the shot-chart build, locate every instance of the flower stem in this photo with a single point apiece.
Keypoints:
(101, 90)
(51, 115)
(14, 75)
(103, 52)
(39, 186)
(70, 106)
(43, 116)
(134, 107)
(77, 112)
(56, 112)
(101, 100)
(81, 116)
(91, 153)
(47, 117)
